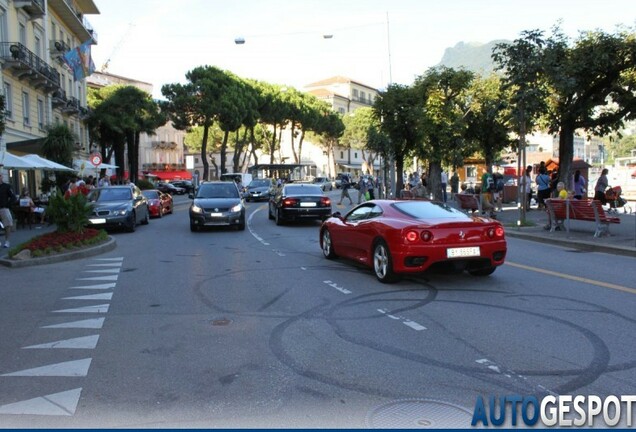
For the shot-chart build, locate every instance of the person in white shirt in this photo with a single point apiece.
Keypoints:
(444, 180)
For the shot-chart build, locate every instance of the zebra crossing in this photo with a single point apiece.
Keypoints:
(101, 274)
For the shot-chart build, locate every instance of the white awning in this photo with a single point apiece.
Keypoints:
(45, 164)
(10, 161)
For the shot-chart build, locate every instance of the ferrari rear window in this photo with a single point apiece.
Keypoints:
(429, 210)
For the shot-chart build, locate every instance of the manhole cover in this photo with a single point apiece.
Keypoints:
(221, 322)
(419, 414)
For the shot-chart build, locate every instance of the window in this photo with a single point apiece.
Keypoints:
(8, 100)
(25, 108)
(355, 155)
(53, 29)
(341, 110)
(355, 93)
(363, 96)
(41, 113)
(3, 25)
(22, 33)
(341, 155)
(471, 171)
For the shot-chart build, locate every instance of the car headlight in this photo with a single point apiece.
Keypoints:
(121, 212)
(236, 208)
(196, 209)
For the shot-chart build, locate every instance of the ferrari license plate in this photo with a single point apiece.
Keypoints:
(308, 204)
(97, 221)
(462, 252)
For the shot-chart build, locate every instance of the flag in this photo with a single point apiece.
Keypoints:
(80, 61)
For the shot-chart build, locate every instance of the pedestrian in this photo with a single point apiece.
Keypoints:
(454, 184)
(362, 189)
(345, 185)
(7, 199)
(543, 187)
(498, 193)
(601, 185)
(487, 188)
(444, 182)
(579, 185)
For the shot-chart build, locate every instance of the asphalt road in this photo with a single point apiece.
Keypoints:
(256, 329)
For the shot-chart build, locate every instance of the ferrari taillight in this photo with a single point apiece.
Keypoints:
(495, 232)
(411, 236)
(426, 236)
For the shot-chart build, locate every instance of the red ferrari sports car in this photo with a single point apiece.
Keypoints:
(394, 237)
(159, 203)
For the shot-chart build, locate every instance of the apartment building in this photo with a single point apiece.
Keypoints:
(38, 86)
(160, 154)
(345, 96)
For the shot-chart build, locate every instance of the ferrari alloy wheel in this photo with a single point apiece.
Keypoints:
(327, 246)
(382, 263)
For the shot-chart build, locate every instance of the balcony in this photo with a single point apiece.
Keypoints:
(26, 66)
(72, 106)
(58, 48)
(34, 8)
(58, 98)
(75, 19)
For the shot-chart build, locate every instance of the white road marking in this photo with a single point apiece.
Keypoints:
(114, 264)
(407, 322)
(279, 253)
(85, 342)
(249, 227)
(103, 308)
(94, 323)
(109, 259)
(114, 270)
(102, 296)
(101, 278)
(55, 404)
(510, 374)
(99, 286)
(303, 268)
(335, 285)
(73, 368)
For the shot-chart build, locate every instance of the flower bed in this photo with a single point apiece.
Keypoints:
(56, 242)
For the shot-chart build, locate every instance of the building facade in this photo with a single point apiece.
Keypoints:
(38, 87)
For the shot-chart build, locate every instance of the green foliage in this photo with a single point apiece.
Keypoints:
(70, 214)
(59, 144)
(144, 184)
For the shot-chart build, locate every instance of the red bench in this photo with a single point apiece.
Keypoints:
(560, 210)
(468, 202)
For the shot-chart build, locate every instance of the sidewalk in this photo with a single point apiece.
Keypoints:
(22, 235)
(578, 235)
(621, 241)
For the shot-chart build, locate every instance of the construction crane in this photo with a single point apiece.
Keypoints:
(104, 67)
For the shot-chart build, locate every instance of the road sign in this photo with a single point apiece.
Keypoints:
(96, 159)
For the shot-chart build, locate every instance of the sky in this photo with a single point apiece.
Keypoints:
(374, 42)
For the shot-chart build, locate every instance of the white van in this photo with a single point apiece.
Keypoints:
(245, 178)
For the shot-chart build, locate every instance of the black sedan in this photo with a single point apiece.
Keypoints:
(258, 190)
(299, 201)
(183, 184)
(118, 207)
(170, 188)
(217, 204)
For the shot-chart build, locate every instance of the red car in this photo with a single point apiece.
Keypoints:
(393, 237)
(159, 203)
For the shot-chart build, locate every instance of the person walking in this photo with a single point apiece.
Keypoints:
(601, 185)
(579, 185)
(543, 187)
(345, 185)
(7, 199)
(454, 184)
(444, 182)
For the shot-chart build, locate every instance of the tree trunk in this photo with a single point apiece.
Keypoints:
(300, 146)
(272, 147)
(226, 135)
(120, 160)
(293, 146)
(435, 180)
(566, 152)
(204, 152)
(399, 167)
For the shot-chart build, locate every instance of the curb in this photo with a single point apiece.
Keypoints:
(66, 256)
(575, 244)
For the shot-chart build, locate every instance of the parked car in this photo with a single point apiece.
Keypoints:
(295, 201)
(400, 237)
(159, 203)
(118, 207)
(324, 183)
(258, 190)
(170, 188)
(184, 184)
(217, 204)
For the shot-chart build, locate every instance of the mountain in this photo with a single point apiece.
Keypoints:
(472, 56)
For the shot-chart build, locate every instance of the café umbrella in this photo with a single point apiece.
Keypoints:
(43, 163)
(10, 161)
